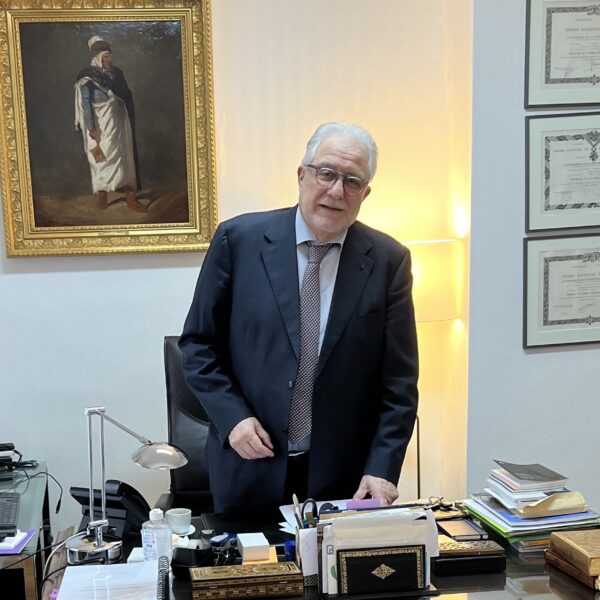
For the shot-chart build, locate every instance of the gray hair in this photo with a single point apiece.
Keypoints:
(326, 130)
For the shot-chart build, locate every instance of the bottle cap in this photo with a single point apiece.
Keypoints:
(156, 514)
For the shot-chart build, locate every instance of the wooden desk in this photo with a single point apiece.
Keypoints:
(21, 581)
(523, 577)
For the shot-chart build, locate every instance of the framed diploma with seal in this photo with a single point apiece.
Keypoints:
(561, 290)
(563, 53)
(563, 171)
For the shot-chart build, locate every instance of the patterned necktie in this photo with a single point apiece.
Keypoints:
(310, 320)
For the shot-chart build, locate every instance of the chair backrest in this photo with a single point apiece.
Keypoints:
(188, 430)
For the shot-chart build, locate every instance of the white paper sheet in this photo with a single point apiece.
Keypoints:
(288, 511)
(131, 581)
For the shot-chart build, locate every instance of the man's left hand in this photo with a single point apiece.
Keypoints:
(376, 487)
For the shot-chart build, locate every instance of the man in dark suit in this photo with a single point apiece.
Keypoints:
(337, 427)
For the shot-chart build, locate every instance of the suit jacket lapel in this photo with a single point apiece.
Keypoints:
(281, 263)
(353, 273)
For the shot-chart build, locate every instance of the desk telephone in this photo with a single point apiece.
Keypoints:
(126, 508)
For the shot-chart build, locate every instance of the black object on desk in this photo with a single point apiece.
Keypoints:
(9, 510)
(381, 570)
(185, 558)
(462, 530)
(126, 508)
(467, 565)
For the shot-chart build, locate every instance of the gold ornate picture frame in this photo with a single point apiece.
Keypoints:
(106, 126)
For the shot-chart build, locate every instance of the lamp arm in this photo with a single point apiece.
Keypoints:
(101, 411)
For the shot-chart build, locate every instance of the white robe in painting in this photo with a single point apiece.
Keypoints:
(117, 170)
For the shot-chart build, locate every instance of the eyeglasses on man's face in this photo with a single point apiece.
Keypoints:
(353, 186)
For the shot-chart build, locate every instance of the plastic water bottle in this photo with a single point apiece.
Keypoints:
(157, 536)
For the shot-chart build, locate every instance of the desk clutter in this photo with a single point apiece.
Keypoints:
(362, 550)
(524, 504)
(359, 552)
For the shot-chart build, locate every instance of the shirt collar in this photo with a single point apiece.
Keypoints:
(304, 234)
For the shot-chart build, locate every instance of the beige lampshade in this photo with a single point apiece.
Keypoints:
(438, 272)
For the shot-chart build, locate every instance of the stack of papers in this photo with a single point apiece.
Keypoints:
(507, 522)
(515, 529)
(110, 582)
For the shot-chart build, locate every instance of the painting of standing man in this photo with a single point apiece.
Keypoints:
(104, 113)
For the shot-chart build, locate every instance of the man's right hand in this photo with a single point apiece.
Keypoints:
(94, 134)
(250, 440)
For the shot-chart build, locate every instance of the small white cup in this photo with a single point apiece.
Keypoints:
(180, 520)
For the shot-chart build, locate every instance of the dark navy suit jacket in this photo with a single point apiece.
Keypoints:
(241, 342)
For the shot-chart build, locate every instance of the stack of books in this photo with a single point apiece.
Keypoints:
(576, 553)
(523, 504)
(533, 491)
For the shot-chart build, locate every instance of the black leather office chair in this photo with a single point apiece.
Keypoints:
(188, 430)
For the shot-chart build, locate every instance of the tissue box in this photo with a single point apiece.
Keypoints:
(253, 546)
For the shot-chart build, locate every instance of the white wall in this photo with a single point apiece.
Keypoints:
(83, 331)
(524, 405)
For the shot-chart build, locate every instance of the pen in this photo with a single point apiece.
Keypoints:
(297, 512)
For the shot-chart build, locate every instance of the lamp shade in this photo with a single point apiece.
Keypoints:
(159, 455)
(438, 272)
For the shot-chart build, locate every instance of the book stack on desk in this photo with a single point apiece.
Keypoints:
(533, 491)
(526, 526)
(576, 553)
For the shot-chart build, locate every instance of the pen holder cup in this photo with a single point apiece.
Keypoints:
(307, 555)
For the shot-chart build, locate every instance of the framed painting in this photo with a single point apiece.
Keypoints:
(106, 119)
(561, 290)
(562, 64)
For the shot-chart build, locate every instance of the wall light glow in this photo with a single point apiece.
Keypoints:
(461, 218)
(438, 273)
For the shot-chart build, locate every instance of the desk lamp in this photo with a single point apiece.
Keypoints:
(90, 546)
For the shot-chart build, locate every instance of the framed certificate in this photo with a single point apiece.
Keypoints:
(562, 171)
(563, 53)
(561, 290)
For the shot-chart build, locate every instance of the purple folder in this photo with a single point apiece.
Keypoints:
(17, 549)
